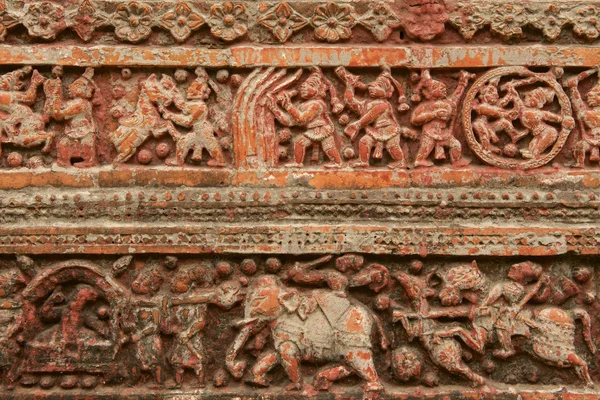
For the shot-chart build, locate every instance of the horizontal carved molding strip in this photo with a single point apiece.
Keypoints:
(397, 327)
(355, 55)
(511, 118)
(220, 23)
(298, 238)
(29, 207)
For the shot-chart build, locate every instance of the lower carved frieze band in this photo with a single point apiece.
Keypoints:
(297, 325)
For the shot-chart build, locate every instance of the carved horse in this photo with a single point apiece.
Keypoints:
(550, 333)
(443, 351)
(145, 120)
(21, 125)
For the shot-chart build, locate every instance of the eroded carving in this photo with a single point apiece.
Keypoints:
(146, 321)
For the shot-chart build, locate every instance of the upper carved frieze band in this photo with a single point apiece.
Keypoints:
(220, 23)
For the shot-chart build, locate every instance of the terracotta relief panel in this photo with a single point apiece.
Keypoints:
(301, 199)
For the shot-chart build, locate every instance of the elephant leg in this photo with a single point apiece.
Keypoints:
(290, 360)
(361, 360)
(581, 368)
(261, 367)
(324, 379)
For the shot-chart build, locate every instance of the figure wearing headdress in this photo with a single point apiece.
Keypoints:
(313, 114)
(535, 119)
(194, 115)
(436, 114)
(588, 116)
(490, 106)
(79, 140)
(22, 126)
(376, 117)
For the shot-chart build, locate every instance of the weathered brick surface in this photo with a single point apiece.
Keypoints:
(299, 199)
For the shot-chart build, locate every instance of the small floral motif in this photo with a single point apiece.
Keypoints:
(381, 20)
(181, 21)
(133, 21)
(469, 21)
(425, 19)
(44, 19)
(586, 22)
(86, 19)
(508, 20)
(228, 21)
(333, 22)
(282, 20)
(550, 21)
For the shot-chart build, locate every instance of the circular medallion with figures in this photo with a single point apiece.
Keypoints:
(515, 118)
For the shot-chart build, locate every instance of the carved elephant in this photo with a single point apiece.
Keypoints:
(318, 325)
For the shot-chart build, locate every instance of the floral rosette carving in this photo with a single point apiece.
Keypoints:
(133, 21)
(423, 19)
(381, 21)
(181, 21)
(586, 22)
(549, 20)
(228, 21)
(469, 20)
(508, 20)
(333, 22)
(282, 20)
(85, 19)
(44, 19)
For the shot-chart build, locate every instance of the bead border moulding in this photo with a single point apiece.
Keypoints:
(386, 199)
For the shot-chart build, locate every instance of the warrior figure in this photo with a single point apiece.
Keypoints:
(588, 116)
(491, 106)
(536, 119)
(80, 130)
(437, 115)
(22, 126)
(377, 117)
(194, 115)
(313, 114)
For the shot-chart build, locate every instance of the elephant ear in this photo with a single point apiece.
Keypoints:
(290, 299)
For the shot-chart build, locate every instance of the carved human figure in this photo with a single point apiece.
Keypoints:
(535, 119)
(311, 113)
(145, 120)
(588, 116)
(22, 126)
(194, 115)
(550, 332)
(186, 322)
(11, 281)
(437, 115)
(79, 141)
(145, 318)
(376, 117)
(493, 118)
(516, 297)
(444, 351)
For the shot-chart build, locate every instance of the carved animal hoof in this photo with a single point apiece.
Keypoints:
(322, 383)
(294, 386)
(423, 164)
(258, 380)
(375, 386)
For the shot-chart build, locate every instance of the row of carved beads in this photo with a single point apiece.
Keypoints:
(133, 21)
